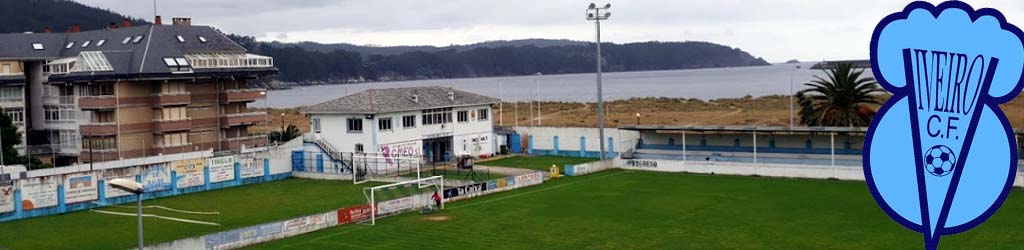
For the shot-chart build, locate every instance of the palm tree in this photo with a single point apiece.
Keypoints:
(288, 134)
(842, 100)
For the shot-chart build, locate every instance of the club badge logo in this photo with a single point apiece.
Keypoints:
(940, 156)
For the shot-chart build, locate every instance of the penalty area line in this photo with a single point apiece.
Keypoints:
(159, 217)
(538, 190)
(171, 209)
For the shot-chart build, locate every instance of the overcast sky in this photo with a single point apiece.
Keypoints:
(777, 30)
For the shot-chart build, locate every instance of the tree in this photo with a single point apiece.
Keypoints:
(289, 133)
(844, 99)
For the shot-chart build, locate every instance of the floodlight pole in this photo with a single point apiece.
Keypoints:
(594, 14)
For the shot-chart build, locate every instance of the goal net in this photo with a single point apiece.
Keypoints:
(426, 194)
(367, 167)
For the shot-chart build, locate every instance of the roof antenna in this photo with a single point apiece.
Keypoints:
(154, 8)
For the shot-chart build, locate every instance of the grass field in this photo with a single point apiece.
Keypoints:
(238, 207)
(646, 210)
(542, 163)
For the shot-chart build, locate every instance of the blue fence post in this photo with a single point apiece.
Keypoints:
(17, 204)
(583, 146)
(319, 163)
(102, 189)
(266, 169)
(174, 182)
(298, 161)
(61, 207)
(206, 178)
(530, 141)
(555, 144)
(611, 147)
(238, 173)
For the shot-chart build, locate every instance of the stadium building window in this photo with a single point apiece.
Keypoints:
(483, 114)
(355, 125)
(409, 121)
(316, 125)
(463, 116)
(437, 116)
(384, 124)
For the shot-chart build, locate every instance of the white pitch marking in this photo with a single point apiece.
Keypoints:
(159, 217)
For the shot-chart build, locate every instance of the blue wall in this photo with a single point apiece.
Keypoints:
(62, 207)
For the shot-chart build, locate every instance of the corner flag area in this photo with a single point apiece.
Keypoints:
(183, 216)
(620, 209)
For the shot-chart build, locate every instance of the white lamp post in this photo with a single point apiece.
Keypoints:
(137, 189)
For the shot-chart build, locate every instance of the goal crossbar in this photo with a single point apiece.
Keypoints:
(371, 196)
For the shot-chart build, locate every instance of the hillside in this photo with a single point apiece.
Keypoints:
(33, 15)
(312, 63)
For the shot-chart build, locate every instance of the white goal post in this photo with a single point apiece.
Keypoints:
(404, 196)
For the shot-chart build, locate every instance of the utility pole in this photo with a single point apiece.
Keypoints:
(537, 82)
(594, 14)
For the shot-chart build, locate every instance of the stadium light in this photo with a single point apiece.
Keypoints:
(594, 14)
(137, 189)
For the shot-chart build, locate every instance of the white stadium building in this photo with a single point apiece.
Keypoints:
(435, 122)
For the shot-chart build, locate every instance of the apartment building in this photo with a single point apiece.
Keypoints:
(435, 122)
(131, 91)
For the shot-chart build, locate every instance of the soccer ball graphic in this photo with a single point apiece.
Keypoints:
(939, 160)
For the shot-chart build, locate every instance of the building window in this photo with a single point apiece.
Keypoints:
(70, 44)
(384, 124)
(316, 125)
(437, 116)
(173, 139)
(355, 125)
(137, 39)
(86, 43)
(170, 114)
(409, 121)
(483, 114)
(99, 143)
(202, 39)
(7, 68)
(359, 148)
(101, 43)
(17, 115)
(463, 116)
(181, 39)
(37, 46)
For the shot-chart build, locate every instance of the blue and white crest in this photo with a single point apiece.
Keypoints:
(940, 156)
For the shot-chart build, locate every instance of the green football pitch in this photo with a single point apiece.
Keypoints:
(646, 210)
(237, 207)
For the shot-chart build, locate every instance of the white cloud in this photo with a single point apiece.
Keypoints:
(777, 30)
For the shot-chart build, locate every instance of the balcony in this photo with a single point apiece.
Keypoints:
(237, 143)
(243, 119)
(242, 95)
(99, 155)
(59, 100)
(52, 149)
(97, 102)
(160, 149)
(169, 99)
(98, 129)
(163, 126)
